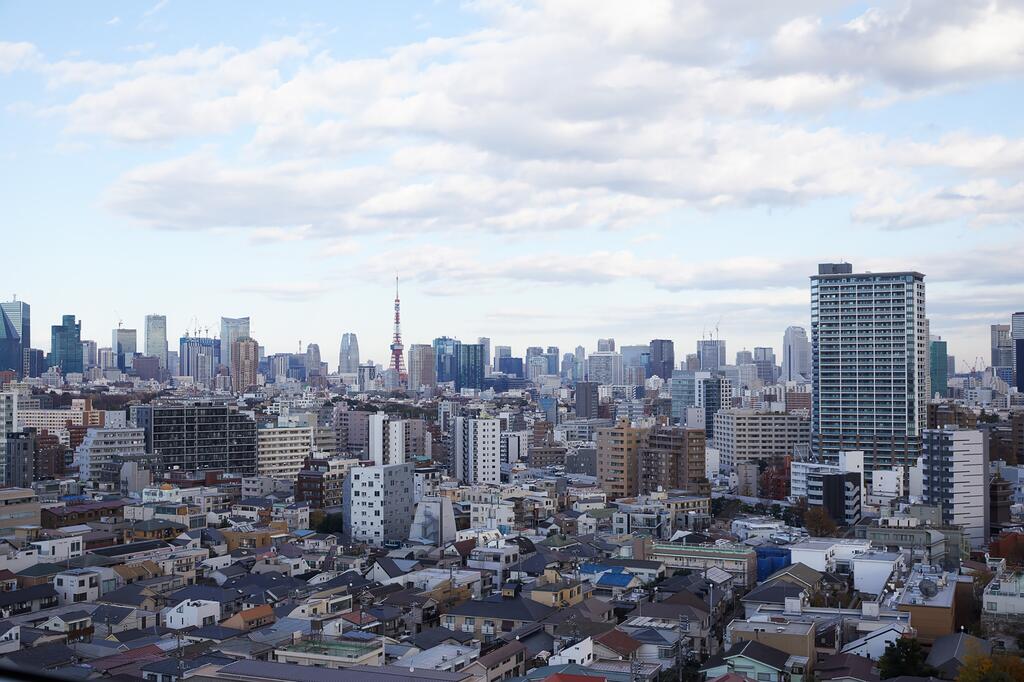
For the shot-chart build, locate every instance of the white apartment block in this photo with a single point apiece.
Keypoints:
(378, 502)
(8, 413)
(103, 449)
(476, 450)
(743, 435)
(280, 451)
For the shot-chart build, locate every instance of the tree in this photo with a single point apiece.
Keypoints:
(979, 668)
(904, 657)
(818, 523)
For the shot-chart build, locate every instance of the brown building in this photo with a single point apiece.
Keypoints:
(546, 452)
(618, 453)
(944, 413)
(76, 514)
(245, 362)
(796, 638)
(938, 603)
(672, 458)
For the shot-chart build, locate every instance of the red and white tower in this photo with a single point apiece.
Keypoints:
(397, 362)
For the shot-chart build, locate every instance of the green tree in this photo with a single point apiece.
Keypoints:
(904, 657)
(980, 668)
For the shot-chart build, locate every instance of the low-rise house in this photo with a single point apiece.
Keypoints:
(74, 625)
(488, 618)
(251, 619)
(350, 649)
(192, 613)
(756, 661)
(507, 661)
(77, 585)
(28, 600)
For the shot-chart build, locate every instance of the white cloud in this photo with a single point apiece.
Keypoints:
(15, 56)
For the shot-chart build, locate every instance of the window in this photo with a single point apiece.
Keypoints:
(766, 677)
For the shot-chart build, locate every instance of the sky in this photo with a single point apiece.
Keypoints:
(540, 173)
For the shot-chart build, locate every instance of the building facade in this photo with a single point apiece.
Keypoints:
(869, 351)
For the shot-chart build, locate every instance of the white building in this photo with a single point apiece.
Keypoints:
(378, 503)
(104, 450)
(605, 367)
(77, 585)
(280, 451)
(743, 435)
(872, 570)
(476, 450)
(192, 613)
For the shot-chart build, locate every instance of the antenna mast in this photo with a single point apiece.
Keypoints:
(397, 362)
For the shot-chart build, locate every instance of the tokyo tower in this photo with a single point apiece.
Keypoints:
(397, 363)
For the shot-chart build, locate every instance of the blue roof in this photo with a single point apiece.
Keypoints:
(600, 568)
(615, 579)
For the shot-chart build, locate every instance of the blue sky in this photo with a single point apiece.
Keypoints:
(539, 173)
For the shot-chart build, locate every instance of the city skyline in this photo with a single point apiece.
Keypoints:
(325, 152)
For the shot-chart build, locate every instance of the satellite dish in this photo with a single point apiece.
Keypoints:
(928, 587)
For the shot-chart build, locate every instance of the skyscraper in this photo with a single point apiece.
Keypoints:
(606, 345)
(470, 372)
(486, 343)
(66, 345)
(348, 358)
(713, 393)
(21, 317)
(246, 354)
(1017, 338)
(446, 351)
(869, 356)
(422, 366)
(663, 358)
(90, 357)
(231, 329)
(156, 338)
(764, 359)
(605, 367)
(124, 343)
(954, 478)
(10, 344)
(476, 450)
(586, 399)
(1002, 346)
(796, 355)
(312, 360)
(711, 354)
(938, 367)
(198, 358)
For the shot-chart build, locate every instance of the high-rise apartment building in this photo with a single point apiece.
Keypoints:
(663, 359)
(124, 343)
(198, 358)
(744, 436)
(66, 345)
(869, 350)
(672, 458)
(938, 366)
(231, 329)
(954, 477)
(348, 357)
(378, 503)
(281, 451)
(200, 435)
(103, 451)
(586, 399)
(711, 354)
(156, 338)
(422, 366)
(476, 450)
(245, 358)
(796, 355)
(618, 457)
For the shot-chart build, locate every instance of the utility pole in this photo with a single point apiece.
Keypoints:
(684, 627)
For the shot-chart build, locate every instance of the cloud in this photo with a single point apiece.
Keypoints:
(113, 21)
(557, 116)
(15, 56)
